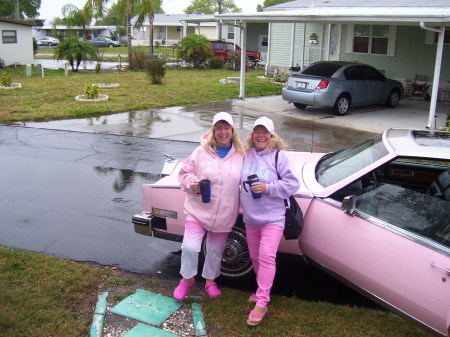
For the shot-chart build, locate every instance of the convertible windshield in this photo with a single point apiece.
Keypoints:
(336, 166)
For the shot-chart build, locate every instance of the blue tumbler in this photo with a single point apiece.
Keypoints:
(205, 190)
(250, 180)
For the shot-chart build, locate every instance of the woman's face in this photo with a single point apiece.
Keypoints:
(223, 132)
(261, 138)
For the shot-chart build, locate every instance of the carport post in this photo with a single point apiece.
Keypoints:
(437, 71)
(243, 66)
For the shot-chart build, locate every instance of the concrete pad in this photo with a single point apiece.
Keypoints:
(142, 330)
(147, 307)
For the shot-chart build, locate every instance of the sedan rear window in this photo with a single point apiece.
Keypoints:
(322, 69)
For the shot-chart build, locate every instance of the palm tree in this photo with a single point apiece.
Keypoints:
(148, 7)
(75, 51)
(195, 49)
(74, 17)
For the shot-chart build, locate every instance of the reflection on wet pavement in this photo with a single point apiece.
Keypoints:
(188, 123)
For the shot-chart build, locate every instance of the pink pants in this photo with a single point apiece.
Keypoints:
(263, 242)
(192, 242)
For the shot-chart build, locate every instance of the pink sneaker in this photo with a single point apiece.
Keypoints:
(212, 290)
(182, 290)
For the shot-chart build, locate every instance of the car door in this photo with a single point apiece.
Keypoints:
(376, 85)
(356, 85)
(379, 250)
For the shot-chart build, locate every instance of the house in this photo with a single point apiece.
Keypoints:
(402, 38)
(16, 45)
(169, 29)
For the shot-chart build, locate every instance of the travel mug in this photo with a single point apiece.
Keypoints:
(250, 180)
(205, 190)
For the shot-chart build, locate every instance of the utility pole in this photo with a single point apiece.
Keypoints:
(16, 10)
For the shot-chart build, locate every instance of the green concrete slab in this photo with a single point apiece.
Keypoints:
(199, 320)
(147, 307)
(142, 330)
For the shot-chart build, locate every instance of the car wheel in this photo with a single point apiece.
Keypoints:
(342, 105)
(49, 44)
(236, 261)
(300, 106)
(393, 99)
(110, 45)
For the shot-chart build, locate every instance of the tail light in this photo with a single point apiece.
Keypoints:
(323, 84)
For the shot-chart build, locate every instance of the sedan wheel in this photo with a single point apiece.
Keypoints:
(300, 106)
(393, 99)
(110, 45)
(49, 44)
(342, 105)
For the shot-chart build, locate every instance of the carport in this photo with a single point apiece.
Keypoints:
(402, 12)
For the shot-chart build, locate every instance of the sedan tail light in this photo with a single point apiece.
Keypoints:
(323, 84)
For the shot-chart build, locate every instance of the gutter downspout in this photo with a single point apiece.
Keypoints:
(291, 61)
(437, 71)
(269, 43)
(243, 66)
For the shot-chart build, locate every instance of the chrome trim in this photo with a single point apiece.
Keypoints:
(168, 187)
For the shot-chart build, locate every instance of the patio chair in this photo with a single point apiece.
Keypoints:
(419, 86)
(445, 90)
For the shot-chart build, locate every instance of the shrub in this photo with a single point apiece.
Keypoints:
(155, 69)
(98, 66)
(215, 63)
(140, 55)
(91, 91)
(234, 60)
(5, 80)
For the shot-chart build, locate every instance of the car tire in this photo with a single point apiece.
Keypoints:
(342, 105)
(393, 98)
(300, 106)
(110, 45)
(236, 261)
(50, 44)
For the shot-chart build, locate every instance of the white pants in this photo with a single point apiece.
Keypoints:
(192, 241)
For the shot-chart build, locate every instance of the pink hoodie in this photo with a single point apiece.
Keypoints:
(220, 214)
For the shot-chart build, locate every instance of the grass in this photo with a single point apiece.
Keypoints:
(46, 296)
(53, 97)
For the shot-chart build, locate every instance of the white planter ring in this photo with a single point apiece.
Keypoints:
(13, 86)
(106, 85)
(83, 98)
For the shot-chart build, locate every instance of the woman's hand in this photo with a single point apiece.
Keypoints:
(194, 186)
(258, 187)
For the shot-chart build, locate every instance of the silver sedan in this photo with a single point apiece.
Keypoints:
(340, 85)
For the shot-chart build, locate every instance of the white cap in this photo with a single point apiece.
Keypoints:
(223, 116)
(266, 122)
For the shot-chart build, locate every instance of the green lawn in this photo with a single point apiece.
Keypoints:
(53, 97)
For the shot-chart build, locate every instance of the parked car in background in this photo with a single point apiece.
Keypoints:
(376, 216)
(47, 41)
(105, 42)
(223, 49)
(340, 85)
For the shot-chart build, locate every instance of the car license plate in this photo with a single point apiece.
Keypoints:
(301, 85)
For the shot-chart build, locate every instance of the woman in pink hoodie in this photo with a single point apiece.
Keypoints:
(263, 206)
(218, 159)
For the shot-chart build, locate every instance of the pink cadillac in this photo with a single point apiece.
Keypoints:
(376, 216)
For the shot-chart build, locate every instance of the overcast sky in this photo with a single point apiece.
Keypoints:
(52, 8)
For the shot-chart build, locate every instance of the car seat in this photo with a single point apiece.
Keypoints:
(441, 186)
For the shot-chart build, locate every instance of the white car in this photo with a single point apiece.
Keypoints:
(47, 41)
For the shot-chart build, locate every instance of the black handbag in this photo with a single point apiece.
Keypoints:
(293, 224)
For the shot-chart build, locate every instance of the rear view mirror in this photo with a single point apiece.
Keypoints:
(349, 204)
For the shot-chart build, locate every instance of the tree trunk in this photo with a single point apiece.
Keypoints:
(151, 19)
(130, 48)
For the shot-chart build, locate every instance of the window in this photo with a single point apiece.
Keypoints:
(446, 36)
(371, 39)
(9, 36)
(230, 33)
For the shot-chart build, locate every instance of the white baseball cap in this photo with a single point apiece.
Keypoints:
(266, 122)
(223, 116)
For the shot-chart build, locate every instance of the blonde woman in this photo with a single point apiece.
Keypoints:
(264, 216)
(219, 159)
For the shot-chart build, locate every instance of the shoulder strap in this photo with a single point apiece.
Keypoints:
(279, 178)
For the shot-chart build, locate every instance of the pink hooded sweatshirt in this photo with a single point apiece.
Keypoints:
(221, 213)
